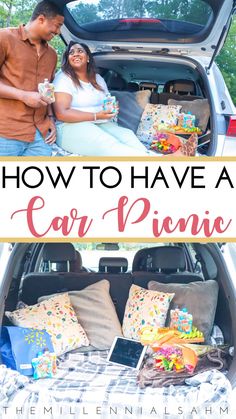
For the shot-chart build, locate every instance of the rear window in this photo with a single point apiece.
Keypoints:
(92, 252)
(170, 16)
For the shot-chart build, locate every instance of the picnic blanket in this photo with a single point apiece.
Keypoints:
(149, 375)
(87, 386)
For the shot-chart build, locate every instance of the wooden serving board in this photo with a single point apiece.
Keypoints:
(182, 132)
(193, 340)
(177, 341)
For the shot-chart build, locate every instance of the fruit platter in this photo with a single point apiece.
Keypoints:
(185, 125)
(158, 336)
(165, 143)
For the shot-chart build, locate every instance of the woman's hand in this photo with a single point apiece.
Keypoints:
(64, 112)
(105, 115)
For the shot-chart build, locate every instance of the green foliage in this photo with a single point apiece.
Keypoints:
(59, 46)
(111, 10)
(23, 11)
(13, 12)
(20, 13)
(227, 61)
(192, 10)
(85, 13)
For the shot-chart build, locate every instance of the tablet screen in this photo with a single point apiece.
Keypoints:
(126, 352)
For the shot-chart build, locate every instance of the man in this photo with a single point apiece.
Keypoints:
(26, 122)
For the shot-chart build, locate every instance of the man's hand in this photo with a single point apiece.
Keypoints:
(51, 138)
(35, 99)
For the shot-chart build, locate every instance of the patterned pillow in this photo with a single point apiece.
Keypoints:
(154, 115)
(58, 318)
(144, 308)
(96, 313)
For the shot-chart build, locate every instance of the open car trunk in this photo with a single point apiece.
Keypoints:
(158, 43)
(207, 265)
(171, 80)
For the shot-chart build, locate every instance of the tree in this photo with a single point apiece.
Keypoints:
(110, 10)
(23, 11)
(227, 61)
(7, 9)
(3, 16)
(13, 12)
(85, 13)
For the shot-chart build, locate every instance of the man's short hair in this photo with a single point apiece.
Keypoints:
(46, 8)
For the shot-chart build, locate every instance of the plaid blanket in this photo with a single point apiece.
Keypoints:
(58, 151)
(86, 386)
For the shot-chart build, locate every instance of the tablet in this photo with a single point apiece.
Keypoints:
(127, 352)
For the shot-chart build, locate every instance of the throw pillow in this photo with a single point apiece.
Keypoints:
(200, 298)
(96, 313)
(144, 308)
(58, 318)
(199, 107)
(154, 115)
(142, 97)
(131, 106)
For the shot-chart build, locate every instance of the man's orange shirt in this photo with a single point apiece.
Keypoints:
(21, 67)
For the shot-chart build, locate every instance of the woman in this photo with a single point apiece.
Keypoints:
(83, 126)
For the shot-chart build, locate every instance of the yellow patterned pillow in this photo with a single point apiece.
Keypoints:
(144, 308)
(58, 318)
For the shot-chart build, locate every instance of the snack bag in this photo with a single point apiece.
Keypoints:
(109, 104)
(44, 365)
(47, 90)
(174, 318)
(186, 120)
(181, 320)
(189, 146)
(185, 321)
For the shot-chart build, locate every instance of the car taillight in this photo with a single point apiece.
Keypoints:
(231, 131)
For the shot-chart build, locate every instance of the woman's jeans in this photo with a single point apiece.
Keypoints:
(101, 139)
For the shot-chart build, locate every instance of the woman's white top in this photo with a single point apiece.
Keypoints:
(85, 98)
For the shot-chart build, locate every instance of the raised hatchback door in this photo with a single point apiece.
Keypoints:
(187, 27)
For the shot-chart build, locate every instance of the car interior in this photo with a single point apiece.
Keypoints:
(57, 267)
(165, 80)
(54, 277)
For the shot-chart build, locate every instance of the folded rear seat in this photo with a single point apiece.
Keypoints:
(162, 98)
(165, 264)
(36, 285)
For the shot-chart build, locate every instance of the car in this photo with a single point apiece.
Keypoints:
(38, 271)
(167, 48)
